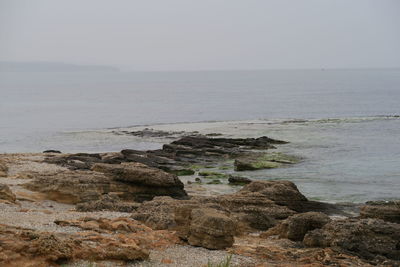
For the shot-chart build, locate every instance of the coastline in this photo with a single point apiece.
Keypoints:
(137, 194)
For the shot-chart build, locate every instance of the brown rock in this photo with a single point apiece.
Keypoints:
(385, 210)
(368, 238)
(211, 229)
(3, 169)
(296, 226)
(6, 193)
(141, 175)
(281, 192)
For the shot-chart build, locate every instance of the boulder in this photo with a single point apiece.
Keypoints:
(6, 193)
(368, 238)
(385, 210)
(296, 226)
(211, 229)
(109, 202)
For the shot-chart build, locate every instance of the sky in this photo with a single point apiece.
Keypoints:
(203, 34)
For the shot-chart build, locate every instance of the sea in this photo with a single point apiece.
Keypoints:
(344, 123)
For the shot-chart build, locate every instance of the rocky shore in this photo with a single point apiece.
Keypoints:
(152, 208)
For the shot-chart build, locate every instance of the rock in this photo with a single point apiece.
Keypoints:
(156, 181)
(3, 169)
(280, 192)
(108, 202)
(257, 161)
(24, 247)
(52, 151)
(238, 180)
(84, 186)
(6, 193)
(211, 229)
(296, 226)
(385, 210)
(368, 238)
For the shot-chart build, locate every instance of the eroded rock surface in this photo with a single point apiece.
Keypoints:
(84, 186)
(210, 228)
(6, 193)
(385, 210)
(368, 238)
(296, 226)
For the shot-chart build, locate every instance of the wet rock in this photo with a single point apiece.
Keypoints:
(385, 210)
(211, 229)
(367, 238)
(296, 226)
(6, 193)
(238, 180)
(257, 161)
(52, 151)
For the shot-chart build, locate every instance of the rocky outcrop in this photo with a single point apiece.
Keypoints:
(368, 238)
(6, 193)
(296, 226)
(134, 182)
(385, 210)
(175, 157)
(211, 229)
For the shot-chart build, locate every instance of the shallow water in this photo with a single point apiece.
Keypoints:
(353, 157)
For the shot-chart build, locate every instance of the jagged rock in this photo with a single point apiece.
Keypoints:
(368, 238)
(238, 180)
(385, 210)
(156, 181)
(257, 161)
(211, 229)
(6, 193)
(296, 226)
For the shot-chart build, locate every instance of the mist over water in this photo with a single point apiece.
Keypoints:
(353, 158)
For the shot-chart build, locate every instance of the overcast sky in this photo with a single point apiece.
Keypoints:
(203, 34)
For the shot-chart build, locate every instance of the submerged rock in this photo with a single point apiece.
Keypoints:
(238, 180)
(257, 161)
(385, 210)
(296, 226)
(368, 238)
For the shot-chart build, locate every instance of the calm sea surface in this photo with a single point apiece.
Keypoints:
(344, 122)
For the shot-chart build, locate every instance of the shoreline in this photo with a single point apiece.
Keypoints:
(85, 198)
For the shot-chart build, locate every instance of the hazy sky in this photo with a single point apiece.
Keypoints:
(203, 34)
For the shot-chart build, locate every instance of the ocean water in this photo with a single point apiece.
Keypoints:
(343, 122)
